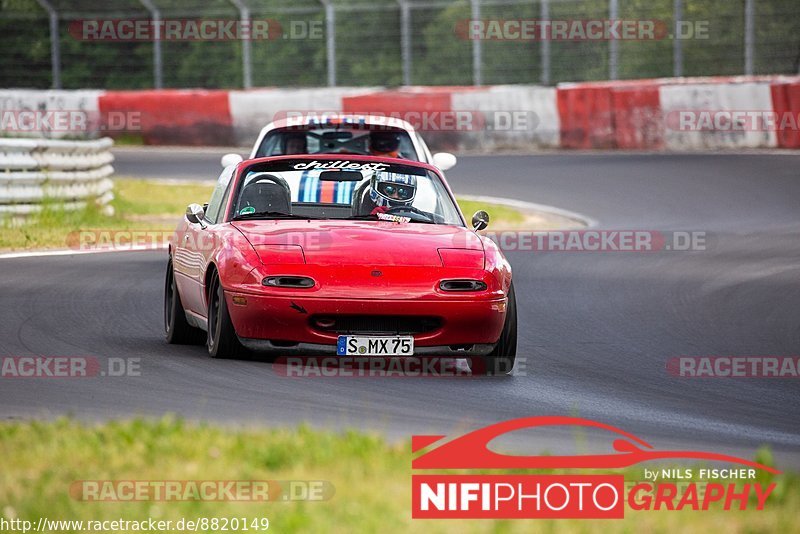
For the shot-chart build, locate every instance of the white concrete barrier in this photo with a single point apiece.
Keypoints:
(707, 116)
(68, 173)
(516, 115)
(52, 114)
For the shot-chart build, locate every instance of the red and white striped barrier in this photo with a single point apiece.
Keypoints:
(668, 114)
(682, 114)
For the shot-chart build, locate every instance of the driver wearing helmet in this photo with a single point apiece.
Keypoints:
(384, 144)
(295, 143)
(390, 190)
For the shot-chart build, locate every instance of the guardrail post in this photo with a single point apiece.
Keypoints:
(613, 44)
(55, 42)
(330, 39)
(405, 39)
(158, 69)
(749, 36)
(477, 47)
(247, 62)
(677, 42)
(544, 50)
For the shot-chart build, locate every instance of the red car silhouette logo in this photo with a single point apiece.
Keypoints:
(471, 451)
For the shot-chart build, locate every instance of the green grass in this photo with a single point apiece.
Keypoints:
(499, 216)
(128, 139)
(40, 460)
(138, 205)
(150, 205)
(150, 197)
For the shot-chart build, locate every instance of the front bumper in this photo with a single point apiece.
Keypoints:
(278, 322)
(312, 349)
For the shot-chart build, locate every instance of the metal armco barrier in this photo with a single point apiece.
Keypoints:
(67, 173)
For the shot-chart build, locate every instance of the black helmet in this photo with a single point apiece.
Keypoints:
(384, 142)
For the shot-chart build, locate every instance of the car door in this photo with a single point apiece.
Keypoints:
(195, 249)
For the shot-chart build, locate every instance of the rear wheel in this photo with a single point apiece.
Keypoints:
(222, 341)
(501, 360)
(177, 330)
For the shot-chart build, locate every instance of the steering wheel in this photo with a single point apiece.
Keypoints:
(428, 216)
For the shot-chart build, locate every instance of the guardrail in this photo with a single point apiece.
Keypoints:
(68, 173)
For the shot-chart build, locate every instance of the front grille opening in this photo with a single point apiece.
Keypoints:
(375, 324)
(297, 282)
(462, 285)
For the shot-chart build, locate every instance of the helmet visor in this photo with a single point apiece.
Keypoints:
(396, 191)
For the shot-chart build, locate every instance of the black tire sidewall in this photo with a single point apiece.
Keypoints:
(177, 330)
(225, 343)
(501, 360)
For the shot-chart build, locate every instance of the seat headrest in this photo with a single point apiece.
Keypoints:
(266, 193)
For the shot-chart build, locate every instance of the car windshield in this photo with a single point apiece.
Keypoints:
(344, 189)
(338, 141)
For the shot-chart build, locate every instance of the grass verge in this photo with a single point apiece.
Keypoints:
(152, 205)
(371, 478)
(138, 205)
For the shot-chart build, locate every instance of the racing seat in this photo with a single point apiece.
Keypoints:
(362, 204)
(266, 193)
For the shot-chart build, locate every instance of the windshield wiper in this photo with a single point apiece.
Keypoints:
(271, 215)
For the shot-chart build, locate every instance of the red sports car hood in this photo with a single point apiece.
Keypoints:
(341, 242)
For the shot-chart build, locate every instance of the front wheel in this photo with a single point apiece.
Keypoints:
(501, 360)
(222, 341)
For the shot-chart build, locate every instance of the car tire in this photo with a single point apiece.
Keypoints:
(501, 360)
(177, 329)
(221, 341)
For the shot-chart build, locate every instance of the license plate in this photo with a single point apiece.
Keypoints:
(375, 346)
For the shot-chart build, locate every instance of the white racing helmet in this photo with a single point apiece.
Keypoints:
(390, 190)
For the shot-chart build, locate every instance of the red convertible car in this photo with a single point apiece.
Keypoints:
(339, 255)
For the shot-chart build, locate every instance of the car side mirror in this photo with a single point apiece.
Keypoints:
(480, 220)
(195, 214)
(231, 159)
(444, 160)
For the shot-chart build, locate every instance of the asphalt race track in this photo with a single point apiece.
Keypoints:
(596, 329)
